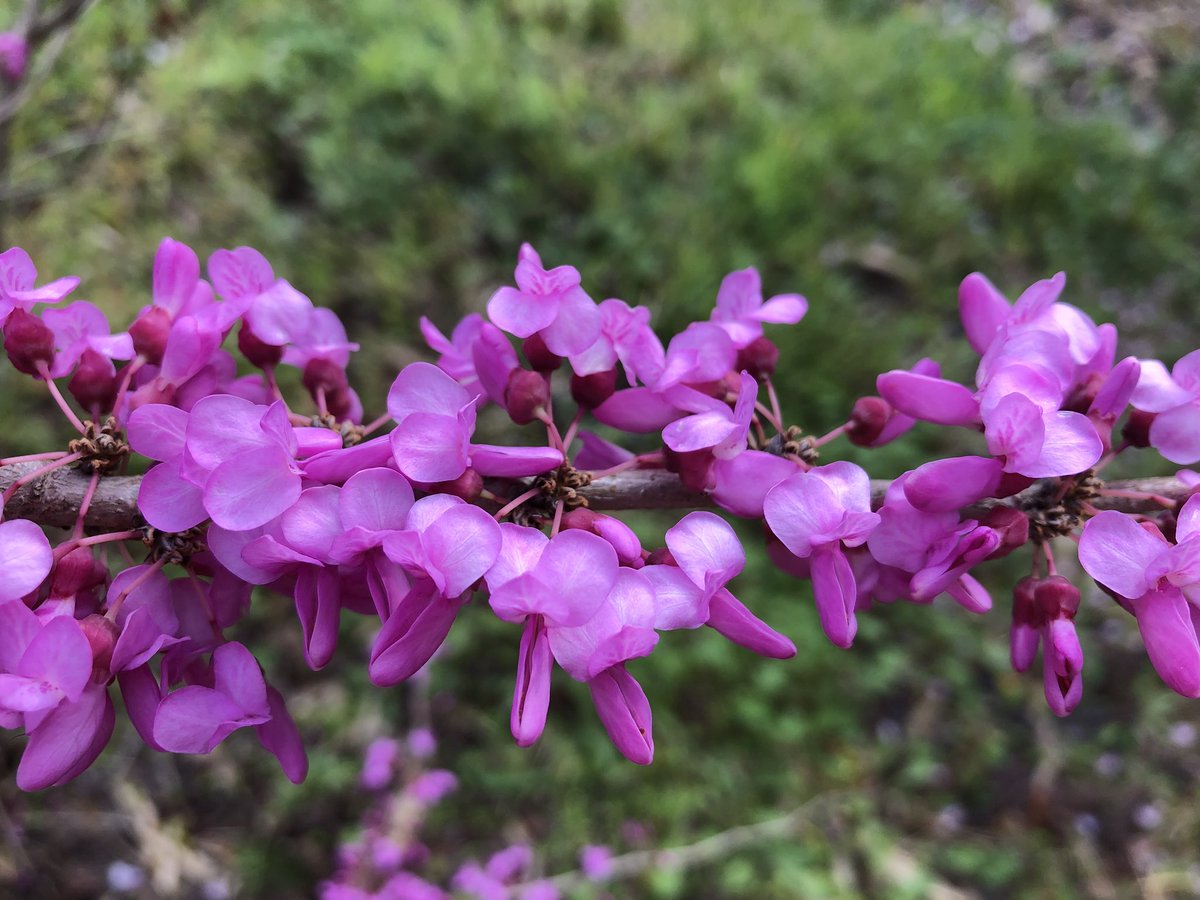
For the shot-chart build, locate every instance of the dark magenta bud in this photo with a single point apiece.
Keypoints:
(867, 420)
(1137, 428)
(661, 557)
(694, 468)
(28, 340)
(101, 634)
(1027, 622)
(94, 384)
(1011, 524)
(1025, 607)
(539, 354)
(257, 351)
(1012, 483)
(76, 572)
(589, 391)
(1080, 399)
(326, 375)
(1057, 598)
(527, 394)
(759, 358)
(149, 332)
(467, 486)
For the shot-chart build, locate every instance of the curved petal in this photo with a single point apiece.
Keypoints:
(251, 489)
(67, 741)
(625, 713)
(1117, 552)
(531, 692)
(1170, 637)
(929, 399)
(167, 501)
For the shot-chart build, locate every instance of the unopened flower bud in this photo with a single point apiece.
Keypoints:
(1137, 428)
(94, 384)
(1080, 399)
(589, 391)
(466, 486)
(340, 402)
(257, 351)
(759, 358)
(539, 354)
(101, 633)
(1027, 622)
(1011, 524)
(1012, 483)
(661, 557)
(28, 340)
(867, 420)
(1057, 598)
(617, 533)
(324, 374)
(694, 467)
(150, 331)
(527, 394)
(78, 571)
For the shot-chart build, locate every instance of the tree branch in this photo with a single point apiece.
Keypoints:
(54, 499)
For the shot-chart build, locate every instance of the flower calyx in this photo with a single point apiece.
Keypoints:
(103, 448)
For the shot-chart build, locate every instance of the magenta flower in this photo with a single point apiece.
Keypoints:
(713, 426)
(934, 548)
(80, 327)
(1157, 579)
(195, 718)
(25, 558)
(740, 309)
(14, 55)
(435, 421)
(1175, 431)
(818, 515)
(548, 303)
(17, 278)
(625, 336)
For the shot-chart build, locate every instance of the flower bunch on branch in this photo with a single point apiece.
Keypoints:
(413, 517)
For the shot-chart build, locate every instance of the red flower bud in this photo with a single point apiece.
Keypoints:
(29, 341)
(867, 420)
(101, 634)
(527, 394)
(258, 352)
(1057, 598)
(94, 384)
(1012, 483)
(589, 391)
(149, 332)
(759, 358)
(466, 486)
(1011, 524)
(324, 374)
(694, 468)
(661, 557)
(1137, 428)
(539, 354)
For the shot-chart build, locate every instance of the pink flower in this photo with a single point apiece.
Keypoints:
(1175, 431)
(17, 278)
(817, 515)
(740, 309)
(14, 55)
(80, 327)
(549, 303)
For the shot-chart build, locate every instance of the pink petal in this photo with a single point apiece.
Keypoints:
(377, 499)
(429, 447)
(176, 271)
(637, 409)
(678, 601)
(625, 713)
(784, 309)
(157, 430)
(520, 550)
(405, 643)
(67, 741)
(706, 548)
(1070, 445)
(1117, 551)
(167, 501)
(576, 324)
(1176, 433)
(730, 617)
(983, 310)
(251, 489)
(742, 483)
(25, 558)
(318, 607)
(337, 466)
(945, 485)
(19, 625)
(59, 655)
(221, 426)
(520, 313)
(195, 719)
(699, 432)
(835, 592)
(512, 462)
(462, 545)
(581, 569)
(311, 524)
(1170, 637)
(240, 272)
(803, 513)
(1038, 298)
(237, 675)
(494, 359)
(1186, 372)
(282, 739)
(1156, 390)
(422, 387)
(928, 399)
(531, 693)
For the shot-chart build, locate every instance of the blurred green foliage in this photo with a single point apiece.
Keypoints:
(390, 157)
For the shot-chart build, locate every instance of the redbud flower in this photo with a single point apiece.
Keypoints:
(546, 302)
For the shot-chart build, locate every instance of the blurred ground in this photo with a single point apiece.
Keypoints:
(389, 158)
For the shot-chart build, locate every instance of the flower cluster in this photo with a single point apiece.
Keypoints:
(414, 524)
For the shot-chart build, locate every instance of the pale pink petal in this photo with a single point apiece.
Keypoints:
(803, 512)
(462, 545)
(25, 558)
(221, 426)
(1117, 551)
(67, 741)
(195, 719)
(1038, 298)
(706, 548)
(983, 310)
(1176, 433)
(678, 601)
(312, 523)
(1187, 520)
(576, 324)
(337, 466)
(783, 309)
(167, 501)
(59, 655)
(377, 499)
(429, 447)
(928, 399)
(157, 430)
(624, 711)
(1070, 445)
(1156, 390)
(1186, 372)
(699, 432)
(422, 387)
(237, 675)
(240, 272)
(251, 489)
(520, 550)
(520, 313)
